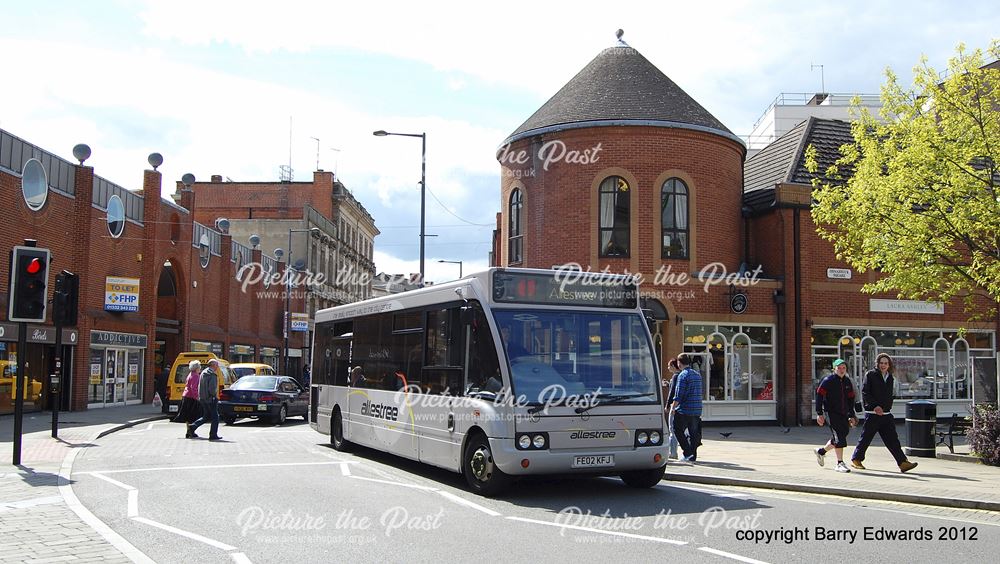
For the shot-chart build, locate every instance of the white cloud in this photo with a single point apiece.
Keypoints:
(435, 271)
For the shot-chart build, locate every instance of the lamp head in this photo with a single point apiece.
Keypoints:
(380, 133)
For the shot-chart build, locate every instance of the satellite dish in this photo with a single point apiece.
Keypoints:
(187, 179)
(155, 160)
(203, 241)
(278, 253)
(34, 185)
(222, 224)
(619, 33)
(81, 152)
(254, 241)
(300, 264)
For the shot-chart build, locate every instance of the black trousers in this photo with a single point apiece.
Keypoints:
(885, 426)
(689, 442)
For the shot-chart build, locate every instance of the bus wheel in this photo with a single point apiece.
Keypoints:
(643, 478)
(337, 434)
(483, 476)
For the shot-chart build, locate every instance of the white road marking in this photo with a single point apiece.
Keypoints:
(414, 486)
(116, 540)
(730, 555)
(599, 531)
(240, 558)
(345, 469)
(6, 506)
(209, 467)
(139, 431)
(133, 503)
(183, 533)
(113, 481)
(948, 518)
(467, 503)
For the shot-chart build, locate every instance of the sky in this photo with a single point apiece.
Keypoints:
(239, 88)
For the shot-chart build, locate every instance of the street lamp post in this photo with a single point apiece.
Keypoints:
(423, 187)
(288, 294)
(458, 262)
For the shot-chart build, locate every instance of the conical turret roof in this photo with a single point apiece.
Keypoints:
(620, 87)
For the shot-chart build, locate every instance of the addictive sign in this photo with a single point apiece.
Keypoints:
(121, 294)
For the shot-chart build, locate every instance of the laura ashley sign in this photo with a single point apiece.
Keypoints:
(905, 306)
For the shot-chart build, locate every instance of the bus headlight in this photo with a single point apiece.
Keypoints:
(655, 437)
(524, 442)
(538, 441)
(643, 438)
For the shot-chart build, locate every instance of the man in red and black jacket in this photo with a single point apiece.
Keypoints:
(877, 393)
(835, 403)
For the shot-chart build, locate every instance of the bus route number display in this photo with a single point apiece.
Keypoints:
(564, 288)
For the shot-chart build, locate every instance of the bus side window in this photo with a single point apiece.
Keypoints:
(484, 366)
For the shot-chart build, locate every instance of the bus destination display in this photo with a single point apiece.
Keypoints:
(565, 287)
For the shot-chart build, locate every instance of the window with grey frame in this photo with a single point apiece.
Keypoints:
(615, 214)
(674, 219)
(515, 234)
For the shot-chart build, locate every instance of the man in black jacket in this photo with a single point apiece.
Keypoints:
(835, 405)
(877, 395)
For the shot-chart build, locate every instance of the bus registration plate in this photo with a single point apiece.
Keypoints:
(593, 461)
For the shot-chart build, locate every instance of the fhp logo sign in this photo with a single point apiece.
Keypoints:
(121, 294)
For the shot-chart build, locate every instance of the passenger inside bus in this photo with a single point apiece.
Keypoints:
(357, 377)
(515, 350)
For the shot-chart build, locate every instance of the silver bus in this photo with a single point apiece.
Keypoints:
(505, 372)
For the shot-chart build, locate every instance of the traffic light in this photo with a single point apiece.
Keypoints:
(65, 299)
(29, 272)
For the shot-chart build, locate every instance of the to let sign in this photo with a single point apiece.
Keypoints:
(300, 322)
(121, 294)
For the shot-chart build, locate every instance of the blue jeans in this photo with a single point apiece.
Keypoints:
(209, 409)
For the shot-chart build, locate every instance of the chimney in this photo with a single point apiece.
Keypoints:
(216, 178)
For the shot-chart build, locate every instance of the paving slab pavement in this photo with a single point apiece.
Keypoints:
(776, 458)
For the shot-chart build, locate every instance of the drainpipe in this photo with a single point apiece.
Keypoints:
(798, 313)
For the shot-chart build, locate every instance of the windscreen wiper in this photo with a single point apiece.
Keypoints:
(609, 399)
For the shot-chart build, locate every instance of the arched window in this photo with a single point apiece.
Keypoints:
(674, 219)
(613, 233)
(515, 233)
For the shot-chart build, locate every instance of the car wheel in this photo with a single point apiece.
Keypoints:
(337, 440)
(481, 473)
(279, 419)
(643, 478)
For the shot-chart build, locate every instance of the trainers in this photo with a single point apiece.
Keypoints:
(193, 435)
(857, 464)
(906, 466)
(820, 456)
(689, 459)
(841, 467)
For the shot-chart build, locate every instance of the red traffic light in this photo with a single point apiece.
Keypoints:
(34, 266)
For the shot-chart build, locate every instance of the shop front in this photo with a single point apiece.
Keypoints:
(269, 355)
(40, 364)
(116, 369)
(241, 353)
(213, 347)
(737, 363)
(933, 364)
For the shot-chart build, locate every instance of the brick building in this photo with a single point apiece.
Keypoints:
(622, 170)
(320, 227)
(182, 272)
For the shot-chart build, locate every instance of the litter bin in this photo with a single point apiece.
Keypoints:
(921, 416)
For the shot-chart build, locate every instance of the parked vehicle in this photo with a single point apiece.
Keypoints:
(273, 397)
(179, 372)
(241, 369)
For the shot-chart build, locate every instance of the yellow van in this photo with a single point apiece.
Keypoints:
(179, 372)
(241, 369)
(32, 388)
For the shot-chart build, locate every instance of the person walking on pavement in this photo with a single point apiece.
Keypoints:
(877, 396)
(835, 405)
(190, 409)
(686, 408)
(674, 368)
(208, 393)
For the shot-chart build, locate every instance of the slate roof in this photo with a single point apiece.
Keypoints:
(619, 85)
(784, 160)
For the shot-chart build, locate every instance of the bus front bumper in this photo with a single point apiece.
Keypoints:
(590, 461)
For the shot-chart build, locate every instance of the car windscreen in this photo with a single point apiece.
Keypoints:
(255, 383)
(243, 371)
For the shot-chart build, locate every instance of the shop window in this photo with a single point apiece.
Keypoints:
(962, 382)
(515, 241)
(615, 214)
(674, 219)
(740, 368)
